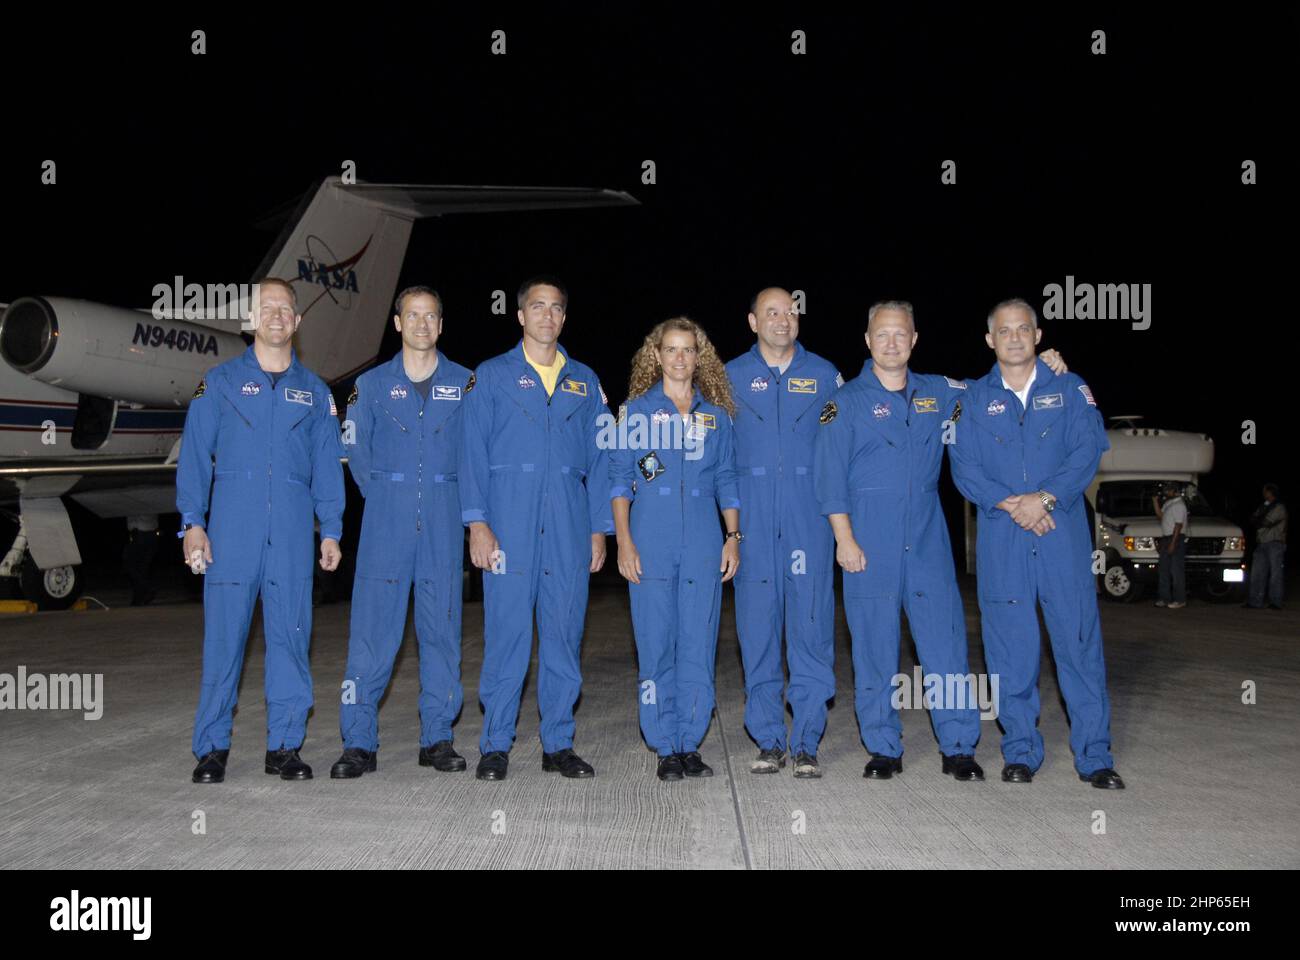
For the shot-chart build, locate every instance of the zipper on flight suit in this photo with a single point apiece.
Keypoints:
(907, 503)
(419, 473)
(546, 467)
(778, 501)
(681, 486)
(270, 458)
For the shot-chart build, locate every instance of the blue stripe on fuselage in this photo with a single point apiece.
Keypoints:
(23, 415)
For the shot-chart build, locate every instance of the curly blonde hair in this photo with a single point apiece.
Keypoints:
(710, 375)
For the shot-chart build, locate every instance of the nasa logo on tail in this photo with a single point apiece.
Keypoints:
(319, 267)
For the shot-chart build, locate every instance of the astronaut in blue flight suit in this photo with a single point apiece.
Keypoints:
(1026, 448)
(672, 468)
(534, 492)
(879, 453)
(786, 576)
(259, 454)
(402, 438)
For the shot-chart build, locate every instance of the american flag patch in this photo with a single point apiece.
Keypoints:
(334, 411)
(1087, 395)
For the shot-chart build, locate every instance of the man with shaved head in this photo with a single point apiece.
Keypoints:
(1023, 456)
(786, 579)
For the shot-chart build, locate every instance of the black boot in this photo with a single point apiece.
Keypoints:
(442, 757)
(354, 763)
(212, 768)
(287, 764)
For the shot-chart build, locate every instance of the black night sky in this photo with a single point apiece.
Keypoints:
(819, 172)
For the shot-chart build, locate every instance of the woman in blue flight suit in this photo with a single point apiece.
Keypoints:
(672, 468)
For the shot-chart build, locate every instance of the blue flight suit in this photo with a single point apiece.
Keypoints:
(878, 459)
(1054, 443)
(533, 472)
(405, 458)
(676, 496)
(786, 574)
(267, 457)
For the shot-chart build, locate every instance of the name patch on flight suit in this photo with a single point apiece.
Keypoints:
(926, 404)
(298, 396)
(801, 385)
(445, 392)
(956, 384)
(705, 420)
(1050, 401)
(576, 387)
(651, 466)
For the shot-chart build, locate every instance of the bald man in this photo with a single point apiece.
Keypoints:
(786, 578)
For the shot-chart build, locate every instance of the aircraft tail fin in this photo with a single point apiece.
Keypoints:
(343, 251)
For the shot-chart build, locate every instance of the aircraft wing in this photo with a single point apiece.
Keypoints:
(417, 200)
(107, 487)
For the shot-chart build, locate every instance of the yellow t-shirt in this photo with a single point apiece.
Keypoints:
(550, 375)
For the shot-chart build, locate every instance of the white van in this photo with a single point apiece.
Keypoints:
(1125, 527)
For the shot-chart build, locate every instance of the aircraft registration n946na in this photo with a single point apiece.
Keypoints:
(93, 397)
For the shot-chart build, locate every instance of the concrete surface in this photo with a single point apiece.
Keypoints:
(1212, 782)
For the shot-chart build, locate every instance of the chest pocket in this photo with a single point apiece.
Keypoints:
(1046, 425)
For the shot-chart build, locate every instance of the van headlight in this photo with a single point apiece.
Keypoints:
(1139, 544)
(1235, 543)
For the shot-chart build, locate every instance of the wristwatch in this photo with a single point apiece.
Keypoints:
(735, 535)
(1049, 501)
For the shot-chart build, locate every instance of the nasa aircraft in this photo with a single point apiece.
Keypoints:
(93, 397)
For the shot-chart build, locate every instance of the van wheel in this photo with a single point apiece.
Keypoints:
(53, 589)
(1118, 583)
